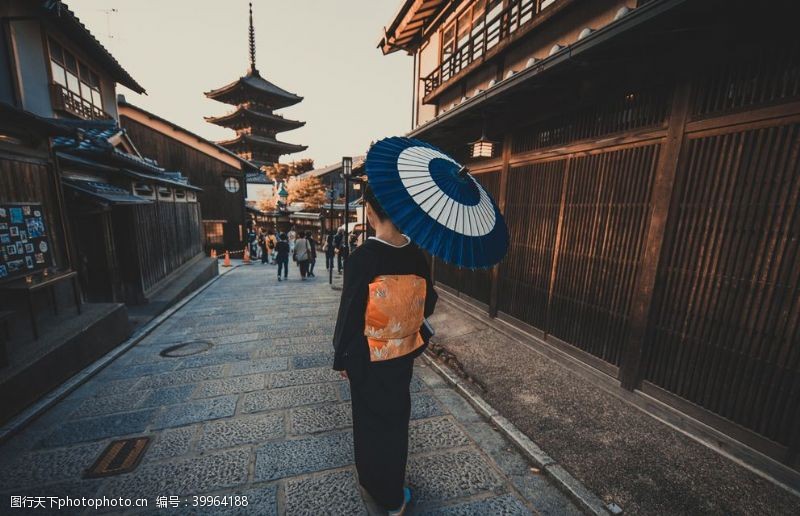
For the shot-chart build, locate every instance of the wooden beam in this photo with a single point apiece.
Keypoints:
(501, 204)
(663, 186)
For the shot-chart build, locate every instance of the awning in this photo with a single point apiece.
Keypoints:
(103, 192)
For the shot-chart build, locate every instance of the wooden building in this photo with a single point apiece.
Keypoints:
(89, 218)
(254, 121)
(646, 161)
(219, 172)
(133, 222)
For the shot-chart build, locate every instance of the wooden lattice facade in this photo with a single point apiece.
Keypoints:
(652, 197)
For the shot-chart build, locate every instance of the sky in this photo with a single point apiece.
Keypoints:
(323, 50)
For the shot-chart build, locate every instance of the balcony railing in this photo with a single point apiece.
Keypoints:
(70, 102)
(484, 36)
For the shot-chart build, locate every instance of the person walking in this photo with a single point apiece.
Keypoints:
(292, 235)
(271, 241)
(312, 256)
(330, 251)
(282, 255)
(302, 254)
(339, 245)
(387, 294)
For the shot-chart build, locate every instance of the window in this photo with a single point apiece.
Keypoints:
(144, 190)
(213, 232)
(165, 193)
(82, 84)
(448, 47)
(232, 184)
(180, 195)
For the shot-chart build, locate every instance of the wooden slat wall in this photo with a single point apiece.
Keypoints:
(727, 334)
(533, 204)
(475, 284)
(606, 207)
(161, 247)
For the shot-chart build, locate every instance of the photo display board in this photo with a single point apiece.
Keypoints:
(24, 246)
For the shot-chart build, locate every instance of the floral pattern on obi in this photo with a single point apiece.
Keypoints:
(395, 312)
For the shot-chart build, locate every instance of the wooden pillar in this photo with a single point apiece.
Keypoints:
(501, 204)
(631, 371)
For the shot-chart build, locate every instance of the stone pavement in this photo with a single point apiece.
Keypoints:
(260, 414)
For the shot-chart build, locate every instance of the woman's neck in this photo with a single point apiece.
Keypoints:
(389, 233)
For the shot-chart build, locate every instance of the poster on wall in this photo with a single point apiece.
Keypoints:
(24, 245)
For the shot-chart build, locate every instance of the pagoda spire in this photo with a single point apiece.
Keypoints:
(254, 119)
(252, 42)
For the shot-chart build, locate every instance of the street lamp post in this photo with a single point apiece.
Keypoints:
(347, 170)
(331, 196)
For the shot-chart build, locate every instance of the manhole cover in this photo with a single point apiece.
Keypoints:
(119, 457)
(186, 349)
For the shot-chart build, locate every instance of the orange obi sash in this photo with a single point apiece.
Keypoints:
(395, 312)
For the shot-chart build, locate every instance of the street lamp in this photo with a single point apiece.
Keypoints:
(347, 171)
(331, 197)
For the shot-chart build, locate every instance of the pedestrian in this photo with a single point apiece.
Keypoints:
(386, 295)
(330, 251)
(339, 245)
(292, 238)
(302, 254)
(282, 255)
(353, 243)
(312, 256)
(252, 244)
(271, 241)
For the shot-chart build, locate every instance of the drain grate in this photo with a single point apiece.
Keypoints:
(119, 457)
(186, 349)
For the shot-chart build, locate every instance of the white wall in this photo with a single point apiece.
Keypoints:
(26, 36)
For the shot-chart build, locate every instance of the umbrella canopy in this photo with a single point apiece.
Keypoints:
(434, 200)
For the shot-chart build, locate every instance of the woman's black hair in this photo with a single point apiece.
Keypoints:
(369, 196)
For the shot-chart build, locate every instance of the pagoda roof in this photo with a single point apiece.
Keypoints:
(254, 87)
(244, 114)
(255, 141)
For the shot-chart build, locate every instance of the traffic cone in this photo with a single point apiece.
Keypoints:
(246, 259)
(214, 253)
(227, 262)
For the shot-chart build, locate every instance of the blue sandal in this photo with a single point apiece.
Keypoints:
(406, 501)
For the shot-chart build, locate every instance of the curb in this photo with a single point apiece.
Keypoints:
(27, 416)
(587, 500)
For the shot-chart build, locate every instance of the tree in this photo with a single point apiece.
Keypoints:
(310, 191)
(280, 172)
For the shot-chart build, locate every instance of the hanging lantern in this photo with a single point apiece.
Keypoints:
(482, 148)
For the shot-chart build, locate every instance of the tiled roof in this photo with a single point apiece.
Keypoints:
(104, 191)
(258, 178)
(263, 141)
(255, 84)
(270, 119)
(93, 143)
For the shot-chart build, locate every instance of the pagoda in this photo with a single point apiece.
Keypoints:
(254, 119)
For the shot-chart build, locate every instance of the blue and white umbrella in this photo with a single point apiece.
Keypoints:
(434, 200)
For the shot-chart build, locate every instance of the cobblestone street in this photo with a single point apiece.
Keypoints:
(260, 413)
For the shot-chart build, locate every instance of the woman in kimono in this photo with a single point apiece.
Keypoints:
(387, 293)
